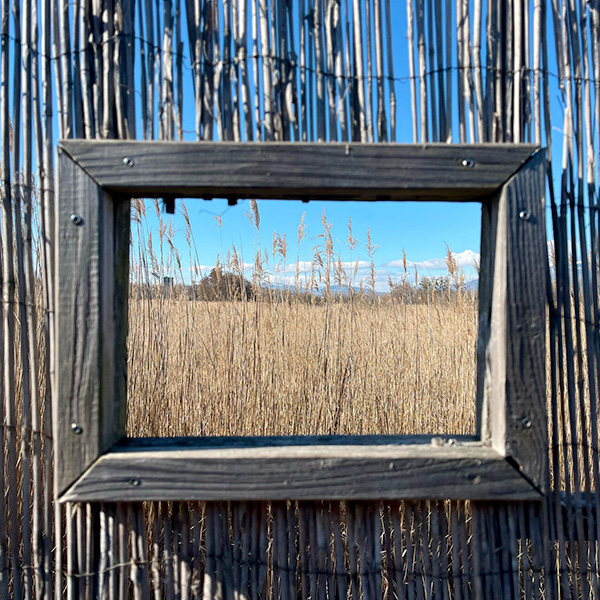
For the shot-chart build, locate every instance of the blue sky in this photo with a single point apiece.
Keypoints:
(422, 230)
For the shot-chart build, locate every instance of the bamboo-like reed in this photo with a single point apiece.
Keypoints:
(424, 105)
(460, 77)
(369, 70)
(330, 68)
(360, 74)
(298, 70)
(467, 74)
(478, 74)
(390, 69)
(382, 134)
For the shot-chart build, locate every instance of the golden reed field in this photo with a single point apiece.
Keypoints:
(253, 368)
(274, 363)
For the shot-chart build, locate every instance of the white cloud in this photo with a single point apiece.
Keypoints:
(467, 258)
(305, 266)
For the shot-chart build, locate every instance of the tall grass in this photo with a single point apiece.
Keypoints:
(301, 359)
(253, 368)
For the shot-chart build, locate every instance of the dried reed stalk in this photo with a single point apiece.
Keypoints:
(422, 70)
(517, 55)
(330, 67)
(448, 62)
(456, 556)
(382, 134)
(340, 72)
(81, 77)
(242, 58)
(216, 100)
(437, 17)
(151, 49)
(317, 33)
(482, 117)
(360, 73)
(226, 73)
(460, 78)
(122, 539)
(108, 129)
(31, 417)
(266, 70)
(84, 79)
(139, 552)
(9, 476)
(155, 561)
(258, 134)
(72, 540)
(167, 105)
(433, 93)
(207, 53)
(390, 69)
(44, 153)
(291, 89)
(17, 199)
(77, 56)
(467, 73)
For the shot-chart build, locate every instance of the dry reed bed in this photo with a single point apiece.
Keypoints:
(260, 368)
(529, 47)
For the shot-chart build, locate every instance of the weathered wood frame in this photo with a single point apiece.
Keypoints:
(506, 460)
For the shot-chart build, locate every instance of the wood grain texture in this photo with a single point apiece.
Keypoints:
(249, 443)
(241, 471)
(92, 271)
(92, 306)
(299, 170)
(517, 353)
(489, 229)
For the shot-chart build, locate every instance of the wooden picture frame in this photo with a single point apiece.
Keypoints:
(506, 460)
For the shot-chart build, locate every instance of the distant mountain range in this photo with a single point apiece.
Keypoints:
(472, 285)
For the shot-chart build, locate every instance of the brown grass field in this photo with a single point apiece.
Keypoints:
(271, 362)
(277, 368)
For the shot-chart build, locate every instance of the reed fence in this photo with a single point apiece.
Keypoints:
(299, 70)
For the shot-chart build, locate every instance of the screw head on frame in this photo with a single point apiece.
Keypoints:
(526, 423)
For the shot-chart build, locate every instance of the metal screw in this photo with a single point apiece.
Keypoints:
(526, 423)
(525, 215)
(392, 466)
(475, 479)
(128, 161)
(77, 429)
(76, 219)
(468, 163)
(135, 482)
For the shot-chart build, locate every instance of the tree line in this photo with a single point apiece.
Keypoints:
(224, 285)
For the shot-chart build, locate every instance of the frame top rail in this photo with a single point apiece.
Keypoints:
(507, 459)
(302, 171)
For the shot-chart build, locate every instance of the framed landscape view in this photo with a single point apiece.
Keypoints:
(506, 459)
